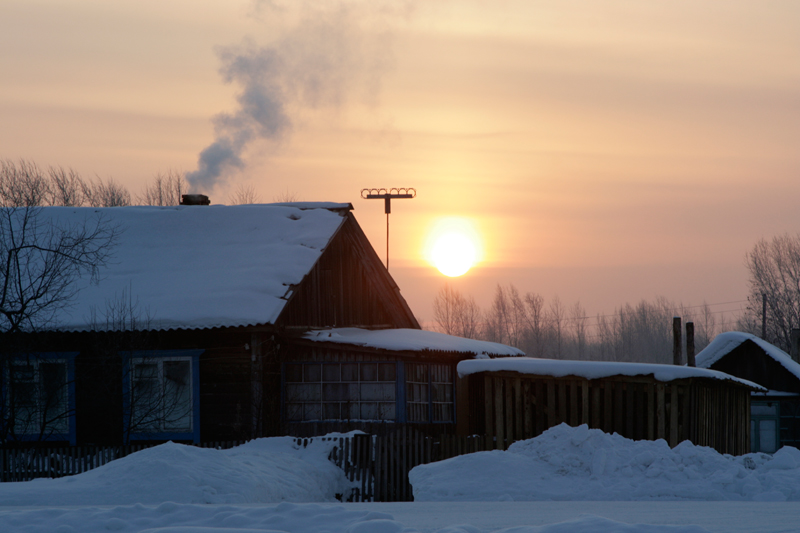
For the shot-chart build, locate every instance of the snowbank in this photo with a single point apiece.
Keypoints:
(261, 471)
(566, 463)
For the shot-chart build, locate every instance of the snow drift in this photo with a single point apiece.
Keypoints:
(566, 463)
(261, 471)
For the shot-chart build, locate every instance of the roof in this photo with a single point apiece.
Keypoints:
(194, 267)
(411, 340)
(594, 369)
(725, 343)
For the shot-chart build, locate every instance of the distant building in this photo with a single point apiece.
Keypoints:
(775, 414)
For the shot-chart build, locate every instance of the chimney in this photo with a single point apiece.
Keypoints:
(195, 199)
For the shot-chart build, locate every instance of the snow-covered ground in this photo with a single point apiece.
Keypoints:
(266, 485)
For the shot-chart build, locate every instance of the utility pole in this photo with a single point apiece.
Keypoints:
(387, 196)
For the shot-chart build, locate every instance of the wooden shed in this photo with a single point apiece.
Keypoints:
(519, 398)
(774, 414)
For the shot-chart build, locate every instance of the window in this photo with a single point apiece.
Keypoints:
(162, 400)
(341, 391)
(39, 393)
(369, 391)
(429, 392)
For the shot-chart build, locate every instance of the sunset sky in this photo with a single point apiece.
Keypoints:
(604, 151)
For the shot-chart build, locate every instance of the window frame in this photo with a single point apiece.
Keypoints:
(66, 358)
(401, 393)
(160, 357)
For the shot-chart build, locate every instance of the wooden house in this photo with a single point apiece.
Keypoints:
(519, 398)
(206, 327)
(774, 414)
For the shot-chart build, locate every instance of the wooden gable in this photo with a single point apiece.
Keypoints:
(348, 287)
(749, 361)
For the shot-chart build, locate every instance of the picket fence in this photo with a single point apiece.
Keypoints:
(377, 466)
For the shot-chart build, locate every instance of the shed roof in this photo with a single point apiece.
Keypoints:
(411, 340)
(595, 369)
(725, 343)
(194, 267)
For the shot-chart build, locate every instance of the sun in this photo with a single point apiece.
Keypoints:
(453, 246)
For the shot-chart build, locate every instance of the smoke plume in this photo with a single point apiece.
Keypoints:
(325, 57)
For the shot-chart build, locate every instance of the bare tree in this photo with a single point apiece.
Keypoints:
(40, 262)
(557, 316)
(107, 193)
(285, 197)
(775, 272)
(578, 322)
(456, 314)
(165, 189)
(536, 328)
(22, 184)
(244, 194)
(67, 188)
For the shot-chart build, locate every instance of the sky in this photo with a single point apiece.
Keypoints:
(605, 152)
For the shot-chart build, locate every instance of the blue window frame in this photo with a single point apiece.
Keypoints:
(38, 397)
(162, 395)
(384, 391)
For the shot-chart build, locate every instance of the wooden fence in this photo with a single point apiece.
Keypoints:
(27, 463)
(378, 466)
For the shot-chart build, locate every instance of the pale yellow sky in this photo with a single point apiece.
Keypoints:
(606, 151)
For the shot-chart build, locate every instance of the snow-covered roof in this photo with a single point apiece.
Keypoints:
(594, 369)
(203, 266)
(412, 340)
(725, 343)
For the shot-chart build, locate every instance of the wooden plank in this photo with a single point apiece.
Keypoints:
(488, 394)
(499, 432)
(608, 413)
(674, 405)
(573, 404)
(585, 402)
(660, 412)
(551, 403)
(508, 399)
(619, 408)
(561, 388)
(651, 412)
(519, 430)
(527, 410)
(630, 409)
(597, 421)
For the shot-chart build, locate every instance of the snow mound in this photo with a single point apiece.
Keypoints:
(261, 471)
(566, 463)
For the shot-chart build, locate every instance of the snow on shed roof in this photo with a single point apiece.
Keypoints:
(413, 340)
(203, 266)
(594, 369)
(725, 343)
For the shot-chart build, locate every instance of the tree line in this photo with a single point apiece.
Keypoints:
(555, 330)
(23, 183)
